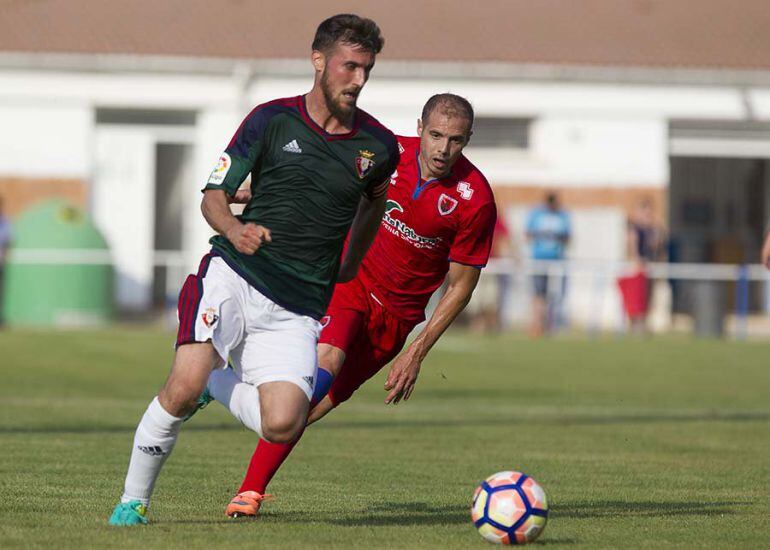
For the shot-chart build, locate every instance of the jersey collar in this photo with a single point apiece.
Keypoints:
(420, 186)
(323, 133)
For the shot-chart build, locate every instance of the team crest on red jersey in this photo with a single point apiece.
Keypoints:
(364, 163)
(446, 204)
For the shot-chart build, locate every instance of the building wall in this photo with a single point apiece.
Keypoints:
(600, 146)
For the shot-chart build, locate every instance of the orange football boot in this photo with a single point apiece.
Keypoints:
(246, 504)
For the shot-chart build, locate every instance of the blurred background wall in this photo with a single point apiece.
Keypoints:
(122, 108)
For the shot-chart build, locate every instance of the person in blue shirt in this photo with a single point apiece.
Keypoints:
(548, 232)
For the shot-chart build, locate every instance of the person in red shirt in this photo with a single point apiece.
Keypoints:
(438, 224)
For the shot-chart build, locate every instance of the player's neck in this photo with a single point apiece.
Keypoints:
(323, 117)
(425, 171)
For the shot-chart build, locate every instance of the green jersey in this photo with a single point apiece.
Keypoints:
(306, 185)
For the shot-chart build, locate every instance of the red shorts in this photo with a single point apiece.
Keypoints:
(634, 290)
(358, 324)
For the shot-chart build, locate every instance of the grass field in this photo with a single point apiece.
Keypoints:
(638, 444)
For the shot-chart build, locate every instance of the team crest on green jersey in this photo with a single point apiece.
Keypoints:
(364, 163)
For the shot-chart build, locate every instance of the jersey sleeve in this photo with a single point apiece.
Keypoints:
(473, 241)
(241, 155)
(379, 184)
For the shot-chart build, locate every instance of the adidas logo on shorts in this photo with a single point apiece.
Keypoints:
(309, 380)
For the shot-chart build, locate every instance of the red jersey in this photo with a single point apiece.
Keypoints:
(426, 225)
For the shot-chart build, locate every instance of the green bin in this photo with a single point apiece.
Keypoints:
(42, 292)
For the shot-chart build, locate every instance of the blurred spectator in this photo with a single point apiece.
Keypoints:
(5, 244)
(765, 258)
(548, 232)
(488, 306)
(644, 243)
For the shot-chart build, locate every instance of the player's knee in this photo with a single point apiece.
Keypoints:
(178, 399)
(330, 358)
(282, 427)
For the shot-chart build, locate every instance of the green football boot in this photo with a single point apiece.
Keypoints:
(132, 512)
(203, 399)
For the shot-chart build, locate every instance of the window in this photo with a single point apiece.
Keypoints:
(159, 117)
(501, 132)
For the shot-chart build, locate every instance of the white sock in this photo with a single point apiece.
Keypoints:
(154, 440)
(240, 397)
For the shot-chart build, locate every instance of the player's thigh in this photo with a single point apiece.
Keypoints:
(190, 371)
(384, 338)
(212, 307)
(359, 366)
(279, 346)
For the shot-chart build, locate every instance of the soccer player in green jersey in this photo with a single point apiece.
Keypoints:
(319, 168)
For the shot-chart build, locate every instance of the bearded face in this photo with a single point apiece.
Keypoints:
(345, 72)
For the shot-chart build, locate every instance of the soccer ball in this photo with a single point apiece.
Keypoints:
(509, 508)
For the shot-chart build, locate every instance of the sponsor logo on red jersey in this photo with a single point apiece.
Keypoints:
(401, 229)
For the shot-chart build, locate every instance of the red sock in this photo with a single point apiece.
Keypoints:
(265, 461)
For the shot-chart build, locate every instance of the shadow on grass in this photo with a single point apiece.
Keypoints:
(74, 430)
(559, 420)
(385, 514)
(389, 423)
(379, 515)
(617, 508)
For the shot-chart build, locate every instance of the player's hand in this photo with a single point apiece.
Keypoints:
(248, 237)
(242, 196)
(402, 377)
(766, 251)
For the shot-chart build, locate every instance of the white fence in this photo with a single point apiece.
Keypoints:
(590, 297)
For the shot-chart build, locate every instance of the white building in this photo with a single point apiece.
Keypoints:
(125, 107)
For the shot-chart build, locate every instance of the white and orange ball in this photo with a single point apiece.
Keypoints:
(509, 508)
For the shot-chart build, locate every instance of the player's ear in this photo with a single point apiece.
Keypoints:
(319, 61)
(419, 127)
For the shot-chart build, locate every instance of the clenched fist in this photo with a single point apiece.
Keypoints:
(248, 237)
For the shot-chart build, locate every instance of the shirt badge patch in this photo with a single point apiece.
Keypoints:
(210, 317)
(364, 163)
(394, 177)
(446, 204)
(465, 190)
(400, 148)
(219, 173)
(325, 320)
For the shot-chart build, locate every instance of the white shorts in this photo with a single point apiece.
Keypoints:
(263, 341)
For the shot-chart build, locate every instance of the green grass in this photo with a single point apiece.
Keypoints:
(638, 444)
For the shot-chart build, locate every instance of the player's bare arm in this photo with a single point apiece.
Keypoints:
(461, 281)
(362, 233)
(246, 238)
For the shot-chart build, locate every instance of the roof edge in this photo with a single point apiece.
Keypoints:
(453, 70)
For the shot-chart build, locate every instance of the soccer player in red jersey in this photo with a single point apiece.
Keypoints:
(438, 224)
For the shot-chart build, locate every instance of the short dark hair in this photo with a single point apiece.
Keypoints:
(451, 104)
(349, 29)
